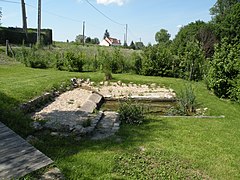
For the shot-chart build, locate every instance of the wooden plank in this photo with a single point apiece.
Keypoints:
(15, 153)
(18, 157)
(6, 134)
(25, 168)
(9, 147)
(2, 130)
(2, 125)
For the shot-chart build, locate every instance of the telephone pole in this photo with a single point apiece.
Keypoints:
(39, 23)
(126, 36)
(83, 33)
(24, 17)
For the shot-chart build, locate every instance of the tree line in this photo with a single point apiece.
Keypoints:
(201, 51)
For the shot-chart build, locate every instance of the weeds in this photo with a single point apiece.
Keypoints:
(186, 102)
(131, 112)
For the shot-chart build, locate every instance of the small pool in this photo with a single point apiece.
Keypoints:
(152, 107)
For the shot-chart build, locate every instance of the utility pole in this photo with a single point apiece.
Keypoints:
(24, 17)
(39, 23)
(83, 33)
(126, 36)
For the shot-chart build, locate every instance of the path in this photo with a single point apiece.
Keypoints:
(17, 157)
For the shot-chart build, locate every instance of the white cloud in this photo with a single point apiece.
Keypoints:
(179, 26)
(107, 2)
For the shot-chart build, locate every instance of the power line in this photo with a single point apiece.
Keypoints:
(13, 2)
(104, 14)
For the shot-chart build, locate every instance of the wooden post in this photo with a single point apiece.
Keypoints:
(39, 23)
(7, 47)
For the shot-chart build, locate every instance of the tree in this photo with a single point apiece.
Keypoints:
(139, 45)
(132, 46)
(207, 37)
(192, 62)
(230, 25)
(162, 36)
(79, 38)
(224, 73)
(186, 34)
(221, 8)
(88, 40)
(106, 34)
(95, 41)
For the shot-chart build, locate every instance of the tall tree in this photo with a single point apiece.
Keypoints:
(230, 26)
(106, 34)
(132, 45)
(221, 8)
(162, 36)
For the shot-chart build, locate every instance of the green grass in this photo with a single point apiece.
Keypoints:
(161, 148)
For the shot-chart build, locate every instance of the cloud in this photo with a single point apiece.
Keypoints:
(179, 26)
(107, 2)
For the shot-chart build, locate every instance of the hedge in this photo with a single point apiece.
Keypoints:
(17, 36)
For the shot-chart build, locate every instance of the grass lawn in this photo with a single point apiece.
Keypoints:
(161, 148)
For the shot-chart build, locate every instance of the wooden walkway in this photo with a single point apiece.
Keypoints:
(17, 157)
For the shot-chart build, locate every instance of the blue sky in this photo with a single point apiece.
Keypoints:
(144, 17)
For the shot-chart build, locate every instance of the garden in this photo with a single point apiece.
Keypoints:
(196, 138)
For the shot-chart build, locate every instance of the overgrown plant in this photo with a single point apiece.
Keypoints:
(131, 112)
(186, 102)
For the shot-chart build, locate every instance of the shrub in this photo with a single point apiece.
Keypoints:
(131, 112)
(224, 70)
(158, 61)
(192, 62)
(186, 102)
(75, 61)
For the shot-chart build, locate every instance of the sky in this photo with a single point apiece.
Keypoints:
(143, 17)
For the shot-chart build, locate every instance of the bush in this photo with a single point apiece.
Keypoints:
(158, 61)
(131, 112)
(75, 61)
(192, 62)
(186, 102)
(34, 58)
(224, 71)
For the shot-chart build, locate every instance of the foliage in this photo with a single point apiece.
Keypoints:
(187, 100)
(138, 63)
(106, 34)
(18, 36)
(79, 38)
(221, 8)
(157, 138)
(223, 75)
(132, 46)
(206, 35)
(230, 25)
(131, 112)
(186, 34)
(139, 45)
(75, 61)
(192, 62)
(158, 61)
(34, 58)
(162, 36)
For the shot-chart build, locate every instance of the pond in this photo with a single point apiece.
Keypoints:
(152, 107)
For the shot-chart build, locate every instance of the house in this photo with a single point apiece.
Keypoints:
(110, 42)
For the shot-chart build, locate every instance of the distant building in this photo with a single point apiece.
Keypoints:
(110, 42)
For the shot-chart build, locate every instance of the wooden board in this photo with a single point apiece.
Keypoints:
(18, 157)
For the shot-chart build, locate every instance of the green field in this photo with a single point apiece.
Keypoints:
(161, 148)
